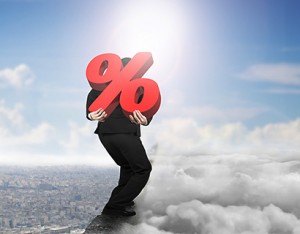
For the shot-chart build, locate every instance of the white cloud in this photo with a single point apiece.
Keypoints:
(196, 217)
(185, 136)
(233, 193)
(37, 135)
(19, 77)
(222, 179)
(16, 133)
(11, 114)
(44, 144)
(281, 73)
(79, 138)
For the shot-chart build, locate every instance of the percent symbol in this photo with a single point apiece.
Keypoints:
(123, 86)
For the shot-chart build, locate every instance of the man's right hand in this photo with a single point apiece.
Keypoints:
(99, 115)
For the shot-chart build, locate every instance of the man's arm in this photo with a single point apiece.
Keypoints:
(90, 99)
(99, 114)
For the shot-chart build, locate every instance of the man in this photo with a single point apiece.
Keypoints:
(121, 138)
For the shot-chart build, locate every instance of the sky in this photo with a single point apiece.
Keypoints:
(224, 144)
(216, 63)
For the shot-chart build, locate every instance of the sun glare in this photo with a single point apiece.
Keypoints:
(156, 27)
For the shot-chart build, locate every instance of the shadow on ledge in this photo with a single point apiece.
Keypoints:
(108, 224)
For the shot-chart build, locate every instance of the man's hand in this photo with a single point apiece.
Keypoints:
(138, 118)
(99, 115)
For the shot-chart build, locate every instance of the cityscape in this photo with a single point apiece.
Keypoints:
(52, 199)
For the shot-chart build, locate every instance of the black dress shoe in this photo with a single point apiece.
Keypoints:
(118, 212)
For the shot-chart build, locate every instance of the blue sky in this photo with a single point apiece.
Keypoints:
(216, 62)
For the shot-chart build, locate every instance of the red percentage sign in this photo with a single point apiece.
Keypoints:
(123, 85)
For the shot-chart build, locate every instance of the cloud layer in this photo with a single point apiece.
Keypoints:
(222, 179)
(175, 136)
(18, 77)
(233, 193)
(184, 136)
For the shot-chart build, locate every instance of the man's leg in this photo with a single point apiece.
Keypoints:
(134, 153)
(125, 170)
(125, 174)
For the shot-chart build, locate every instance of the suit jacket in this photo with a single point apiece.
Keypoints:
(117, 122)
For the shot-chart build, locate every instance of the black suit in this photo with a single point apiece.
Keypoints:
(121, 139)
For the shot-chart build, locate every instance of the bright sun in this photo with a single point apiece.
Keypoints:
(151, 26)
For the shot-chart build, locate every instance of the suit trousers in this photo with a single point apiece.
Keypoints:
(128, 152)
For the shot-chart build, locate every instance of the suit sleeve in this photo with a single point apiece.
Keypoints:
(93, 94)
(148, 121)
